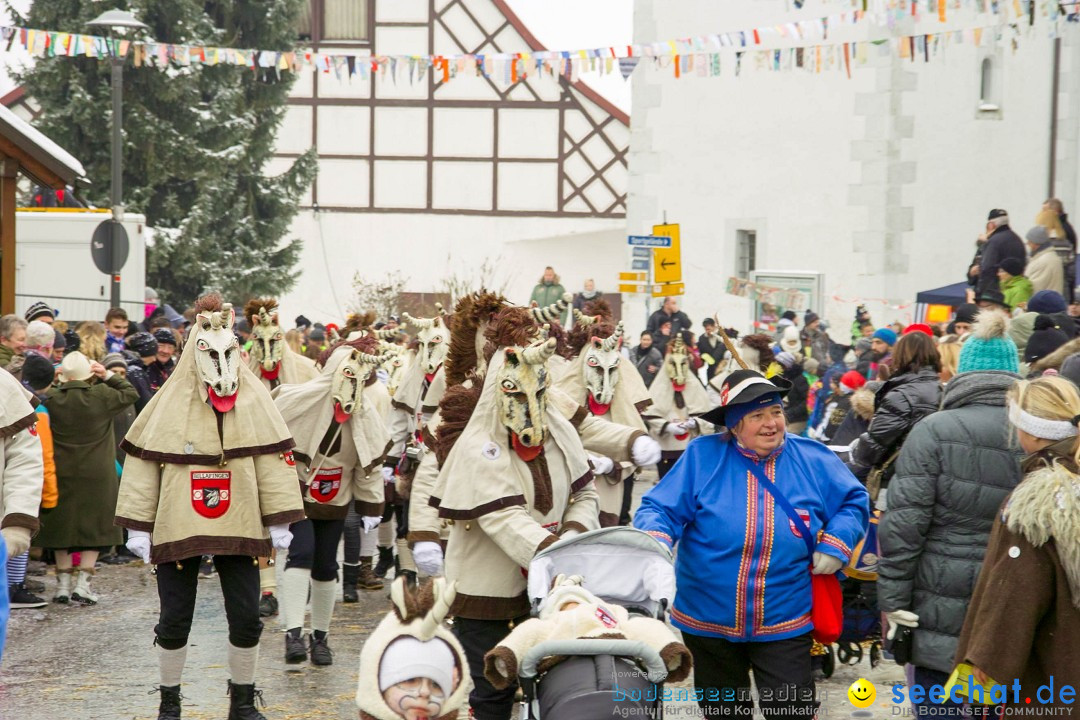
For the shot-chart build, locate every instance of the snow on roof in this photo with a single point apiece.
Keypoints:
(573, 25)
(32, 141)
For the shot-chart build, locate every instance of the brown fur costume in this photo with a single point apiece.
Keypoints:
(470, 312)
(763, 344)
(251, 309)
(366, 344)
(357, 322)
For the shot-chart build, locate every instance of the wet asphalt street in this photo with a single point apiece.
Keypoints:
(99, 663)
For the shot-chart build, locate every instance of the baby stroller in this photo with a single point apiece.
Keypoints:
(620, 565)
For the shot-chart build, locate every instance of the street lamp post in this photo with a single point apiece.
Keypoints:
(114, 23)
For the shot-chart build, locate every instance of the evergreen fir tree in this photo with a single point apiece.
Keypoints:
(197, 141)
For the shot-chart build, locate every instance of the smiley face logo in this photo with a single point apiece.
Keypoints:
(862, 693)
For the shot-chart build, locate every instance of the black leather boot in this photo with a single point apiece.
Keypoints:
(386, 561)
(242, 702)
(295, 650)
(169, 707)
(320, 650)
(349, 576)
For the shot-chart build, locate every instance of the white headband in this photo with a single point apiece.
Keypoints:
(1041, 427)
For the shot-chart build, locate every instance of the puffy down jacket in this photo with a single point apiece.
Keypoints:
(954, 472)
(901, 402)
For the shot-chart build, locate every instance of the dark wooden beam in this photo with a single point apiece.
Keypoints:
(9, 175)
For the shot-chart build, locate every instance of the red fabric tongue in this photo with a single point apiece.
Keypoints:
(678, 388)
(271, 374)
(597, 408)
(222, 404)
(528, 454)
(340, 415)
(682, 437)
(429, 376)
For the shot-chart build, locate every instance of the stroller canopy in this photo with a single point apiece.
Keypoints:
(622, 565)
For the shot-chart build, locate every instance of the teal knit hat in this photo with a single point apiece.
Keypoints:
(989, 347)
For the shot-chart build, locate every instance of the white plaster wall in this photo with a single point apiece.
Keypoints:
(427, 248)
(882, 182)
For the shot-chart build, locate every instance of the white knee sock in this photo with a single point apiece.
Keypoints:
(171, 665)
(294, 589)
(386, 533)
(323, 595)
(405, 555)
(242, 662)
(268, 579)
(368, 543)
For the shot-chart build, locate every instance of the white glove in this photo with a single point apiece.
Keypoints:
(674, 428)
(370, 522)
(601, 465)
(897, 618)
(387, 474)
(280, 536)
(645, 451)
(17, 540)
(139, 543)
(689, 425)
(825, 564)
(428, 557)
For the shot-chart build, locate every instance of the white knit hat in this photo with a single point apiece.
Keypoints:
(75, 366)
(408, 657)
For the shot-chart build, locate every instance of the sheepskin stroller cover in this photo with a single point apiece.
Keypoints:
(601, 678)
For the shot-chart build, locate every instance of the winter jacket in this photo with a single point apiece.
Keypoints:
(902, 401)
(732, 585)
(643, 358)
(6, 355)
(1017, 291)
(857, 421)
(547, 293)
(140, 380)
(954, 471)
(679, 322)
(711, 346)
(581, 299)
(44, 433)
(1045, 271)
(795, 408)
(22, 471)
(1003, 243)
(1024, 620)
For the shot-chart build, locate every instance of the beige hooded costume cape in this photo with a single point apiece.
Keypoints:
(629, 399)
(21, 460)
(503, 510)
(672, 406)
(415, 401)
(343, 474)
(293, 369)
(203, 482)
(421, 617)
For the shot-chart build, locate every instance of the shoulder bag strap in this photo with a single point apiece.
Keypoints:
(804, 530)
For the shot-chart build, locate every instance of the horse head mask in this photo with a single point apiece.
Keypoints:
(217, 356)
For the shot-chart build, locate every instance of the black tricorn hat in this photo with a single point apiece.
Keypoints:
(743, 387)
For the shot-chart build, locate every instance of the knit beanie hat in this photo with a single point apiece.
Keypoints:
(1047, 302)
(1044, 340)
(989, 347)
(885, 335)
(143, 344)
(1012, 265)
(1038, 235)
(966, 313)
(38, 310)
(59, 341)
(38, 372)
(114, 360)
(786, 359)
(919, 327)
(409, 657)
(810, 317)
(1069, 369)
(164, 336)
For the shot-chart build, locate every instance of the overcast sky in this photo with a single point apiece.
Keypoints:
(558, 24)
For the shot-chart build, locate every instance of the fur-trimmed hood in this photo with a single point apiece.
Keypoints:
(1046, 506)
(862, 403)
(1055, 359)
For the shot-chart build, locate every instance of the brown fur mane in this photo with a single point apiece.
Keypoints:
(366, 344)
(562, 341)
(600, 307)
(763, 344)
(512, 327)
(211, 302)
(469, 312)
(455, 409)
(251, 308)
(582, 334)
(357, 322)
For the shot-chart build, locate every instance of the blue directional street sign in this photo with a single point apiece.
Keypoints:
(651, 241)
(639, 264)
(642, 252)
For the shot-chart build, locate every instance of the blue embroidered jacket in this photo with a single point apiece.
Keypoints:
(742, 571)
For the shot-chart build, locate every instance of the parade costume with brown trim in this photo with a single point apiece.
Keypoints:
(21, 463)
(605, 382)
(271, 358)
(341, 434)
(678, 397)
(209, 472)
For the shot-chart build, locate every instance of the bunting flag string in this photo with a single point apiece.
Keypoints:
(808, 45)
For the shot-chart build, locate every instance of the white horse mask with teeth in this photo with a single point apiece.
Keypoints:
(217, 357)
(434, 339)
(347, 387)
(267, 340)
(602, 370)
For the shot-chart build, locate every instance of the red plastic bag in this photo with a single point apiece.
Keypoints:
(827, 609)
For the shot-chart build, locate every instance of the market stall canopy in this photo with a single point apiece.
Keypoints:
(953, 295)
(39, 158)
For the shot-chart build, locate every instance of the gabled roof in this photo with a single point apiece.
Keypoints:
(40, 159)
